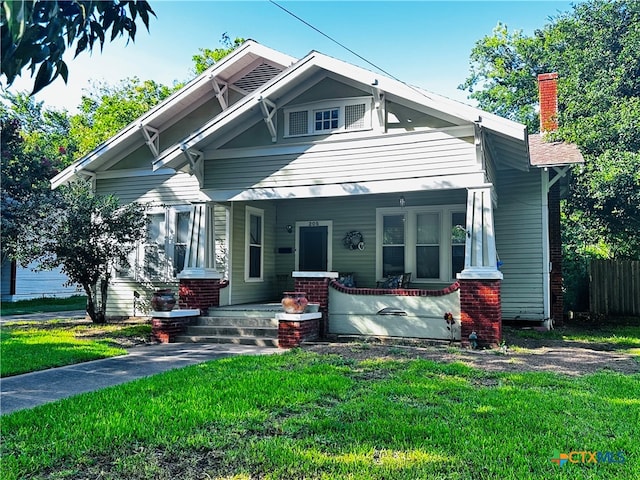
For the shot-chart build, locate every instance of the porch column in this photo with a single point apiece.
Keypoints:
(480, 280)
(316, 286)
(200, 281)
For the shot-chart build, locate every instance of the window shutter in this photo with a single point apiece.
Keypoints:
(298, 123)
(354, 116)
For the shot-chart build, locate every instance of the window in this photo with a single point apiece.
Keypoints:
(393, 245)
(335, 116)
(426, 241)
(162, 254)
(181, 241)
(326, 120)
(254, 244)
(428, 245)
(458, 241)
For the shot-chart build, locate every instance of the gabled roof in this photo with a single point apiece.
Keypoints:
(510, 141)
(552, 154)
(507, 140)
(246, 68)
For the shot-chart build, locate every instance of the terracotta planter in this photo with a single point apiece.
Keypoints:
(294, 302)
(163, 300)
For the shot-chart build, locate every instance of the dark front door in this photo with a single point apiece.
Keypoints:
(313, 249)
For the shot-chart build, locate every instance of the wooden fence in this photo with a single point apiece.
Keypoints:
(615, 287)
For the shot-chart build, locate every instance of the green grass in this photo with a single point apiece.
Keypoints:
(613, 336)
(39, 305)
(32, 346)
(301, 415)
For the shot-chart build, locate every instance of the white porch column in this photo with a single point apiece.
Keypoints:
(200, 257)
(480, 260)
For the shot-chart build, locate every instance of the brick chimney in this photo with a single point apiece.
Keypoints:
(548, 89)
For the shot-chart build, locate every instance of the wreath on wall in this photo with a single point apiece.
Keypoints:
(354, 240)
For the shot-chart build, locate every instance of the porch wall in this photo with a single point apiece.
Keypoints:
(518, 226)
(348, 214)
(353, 314)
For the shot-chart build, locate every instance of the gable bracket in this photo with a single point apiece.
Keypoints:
(196, 162)
(152, 138)
(378, 104)
(221, 90)
(560, 172)
(268, 113)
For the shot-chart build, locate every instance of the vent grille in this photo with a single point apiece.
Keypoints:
(257, 77)
(298, 123)
(354, 116)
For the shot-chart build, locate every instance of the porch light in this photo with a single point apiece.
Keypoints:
(289, 228)
(403, 202)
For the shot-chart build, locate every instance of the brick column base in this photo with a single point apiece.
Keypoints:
(317, 290)
(292, 333)
(199, 294)
(165, 330)
(481, 311)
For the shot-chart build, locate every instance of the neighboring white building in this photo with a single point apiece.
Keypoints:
(25, 283)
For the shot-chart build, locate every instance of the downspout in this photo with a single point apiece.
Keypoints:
(546, 260)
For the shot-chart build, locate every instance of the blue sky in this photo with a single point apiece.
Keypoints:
(424, 43)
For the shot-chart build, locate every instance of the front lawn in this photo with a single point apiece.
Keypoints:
(308, 415)
(31, 346)
(40, 305)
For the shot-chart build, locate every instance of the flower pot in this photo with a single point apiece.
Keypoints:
(294, 302)
(163, 300)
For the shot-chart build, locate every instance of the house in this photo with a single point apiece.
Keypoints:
(25, 283)
(268, 173)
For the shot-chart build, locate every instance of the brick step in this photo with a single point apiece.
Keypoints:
(265, 321)
(257, 341)
(232, 330)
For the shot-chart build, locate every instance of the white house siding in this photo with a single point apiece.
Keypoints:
(32, 283)
(518, 225)
(438, 155)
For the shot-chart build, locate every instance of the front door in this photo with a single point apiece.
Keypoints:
(313, 250)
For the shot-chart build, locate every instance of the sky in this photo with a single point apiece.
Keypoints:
(423, 43)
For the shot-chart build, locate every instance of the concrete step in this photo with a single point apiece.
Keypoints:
(265, 321)
(257, 341)
(232, 331)
(240, 311)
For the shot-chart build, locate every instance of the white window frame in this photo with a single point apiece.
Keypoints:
(410, 215)
(170, 226)
(339, 104)
(249, 212)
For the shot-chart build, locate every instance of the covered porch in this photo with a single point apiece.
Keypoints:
(277, 243)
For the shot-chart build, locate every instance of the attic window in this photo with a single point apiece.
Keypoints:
(334, 116)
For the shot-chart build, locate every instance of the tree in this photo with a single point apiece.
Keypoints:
(26, 171)
(595, 48)
(208, 57)
(109, 108)
(36, 33)
(504, 68)
(90, 237)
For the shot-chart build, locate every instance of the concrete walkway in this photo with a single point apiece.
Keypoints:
(37, 388)
(44, 316)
